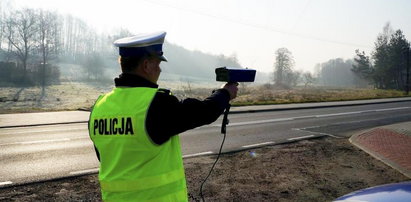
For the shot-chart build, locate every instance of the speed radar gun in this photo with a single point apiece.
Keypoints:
(233, 75)
(229, 75)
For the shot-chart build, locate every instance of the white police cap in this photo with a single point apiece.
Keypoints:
(142, 44)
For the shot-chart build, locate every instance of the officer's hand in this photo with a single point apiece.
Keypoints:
(232, 89)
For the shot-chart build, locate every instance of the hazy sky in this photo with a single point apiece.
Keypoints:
(313, 30)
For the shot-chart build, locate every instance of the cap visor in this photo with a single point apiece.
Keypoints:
(163, 58)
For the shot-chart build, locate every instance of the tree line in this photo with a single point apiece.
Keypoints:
(387, 68)
(35, 42)
(28, 40)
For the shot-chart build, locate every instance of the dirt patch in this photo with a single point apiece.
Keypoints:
(311, 170)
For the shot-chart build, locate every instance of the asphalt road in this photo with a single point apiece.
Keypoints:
(29, 154)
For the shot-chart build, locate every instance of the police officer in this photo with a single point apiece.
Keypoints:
(135, 127)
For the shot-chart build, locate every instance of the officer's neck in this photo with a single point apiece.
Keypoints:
(133, 80)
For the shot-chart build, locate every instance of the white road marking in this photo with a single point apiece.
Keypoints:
(306, 117)
(42, 131)
(307, 131)
(77, 138)
(338, 114)
(5, 183)
(359, 112)
(45, 141)
(302, 137)
(257, 122)
(197, 154)
(93, 170)
(259, 144)
(11, 143)
(389, 109)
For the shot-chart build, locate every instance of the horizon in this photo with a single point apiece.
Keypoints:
(314, 31)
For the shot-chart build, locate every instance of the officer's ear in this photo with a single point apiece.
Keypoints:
(145, 65)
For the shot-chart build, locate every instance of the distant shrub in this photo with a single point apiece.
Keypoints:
(12, 74)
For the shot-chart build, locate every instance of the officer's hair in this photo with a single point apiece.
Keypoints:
(129, 64)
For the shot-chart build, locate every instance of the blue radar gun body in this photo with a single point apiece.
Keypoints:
(233, 75)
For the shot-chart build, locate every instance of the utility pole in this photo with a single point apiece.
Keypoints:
(406, 52)
(407, 88)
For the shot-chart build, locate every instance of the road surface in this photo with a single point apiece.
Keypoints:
(36, 153)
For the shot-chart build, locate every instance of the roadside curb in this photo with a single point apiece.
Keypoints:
(43, 124)
(359, 140)
(239, 111)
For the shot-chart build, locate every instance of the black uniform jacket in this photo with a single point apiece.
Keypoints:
(167, 116)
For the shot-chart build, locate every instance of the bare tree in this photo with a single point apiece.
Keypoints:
(93, 67)
(5, 8)
(74, 41)
(8, 32)
(22, 29)
(308, 79)
(48, 40)
(283, 65)
(2, 25)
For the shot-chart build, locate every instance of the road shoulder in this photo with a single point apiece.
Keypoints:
(310, 170)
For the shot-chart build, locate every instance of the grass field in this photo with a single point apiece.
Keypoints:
(263, 95)
(74, 96)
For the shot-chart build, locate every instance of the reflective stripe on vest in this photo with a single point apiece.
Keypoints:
(132, 167)
(142, 183)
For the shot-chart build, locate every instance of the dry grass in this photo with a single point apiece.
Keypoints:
(74, 96)
(262, 95)
(66, 96)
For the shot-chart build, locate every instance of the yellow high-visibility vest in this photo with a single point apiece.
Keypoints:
(132, 166)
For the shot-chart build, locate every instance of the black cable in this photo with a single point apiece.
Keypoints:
(223, 131)
(211, 170)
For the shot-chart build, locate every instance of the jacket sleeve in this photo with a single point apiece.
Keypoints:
(167, 116)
